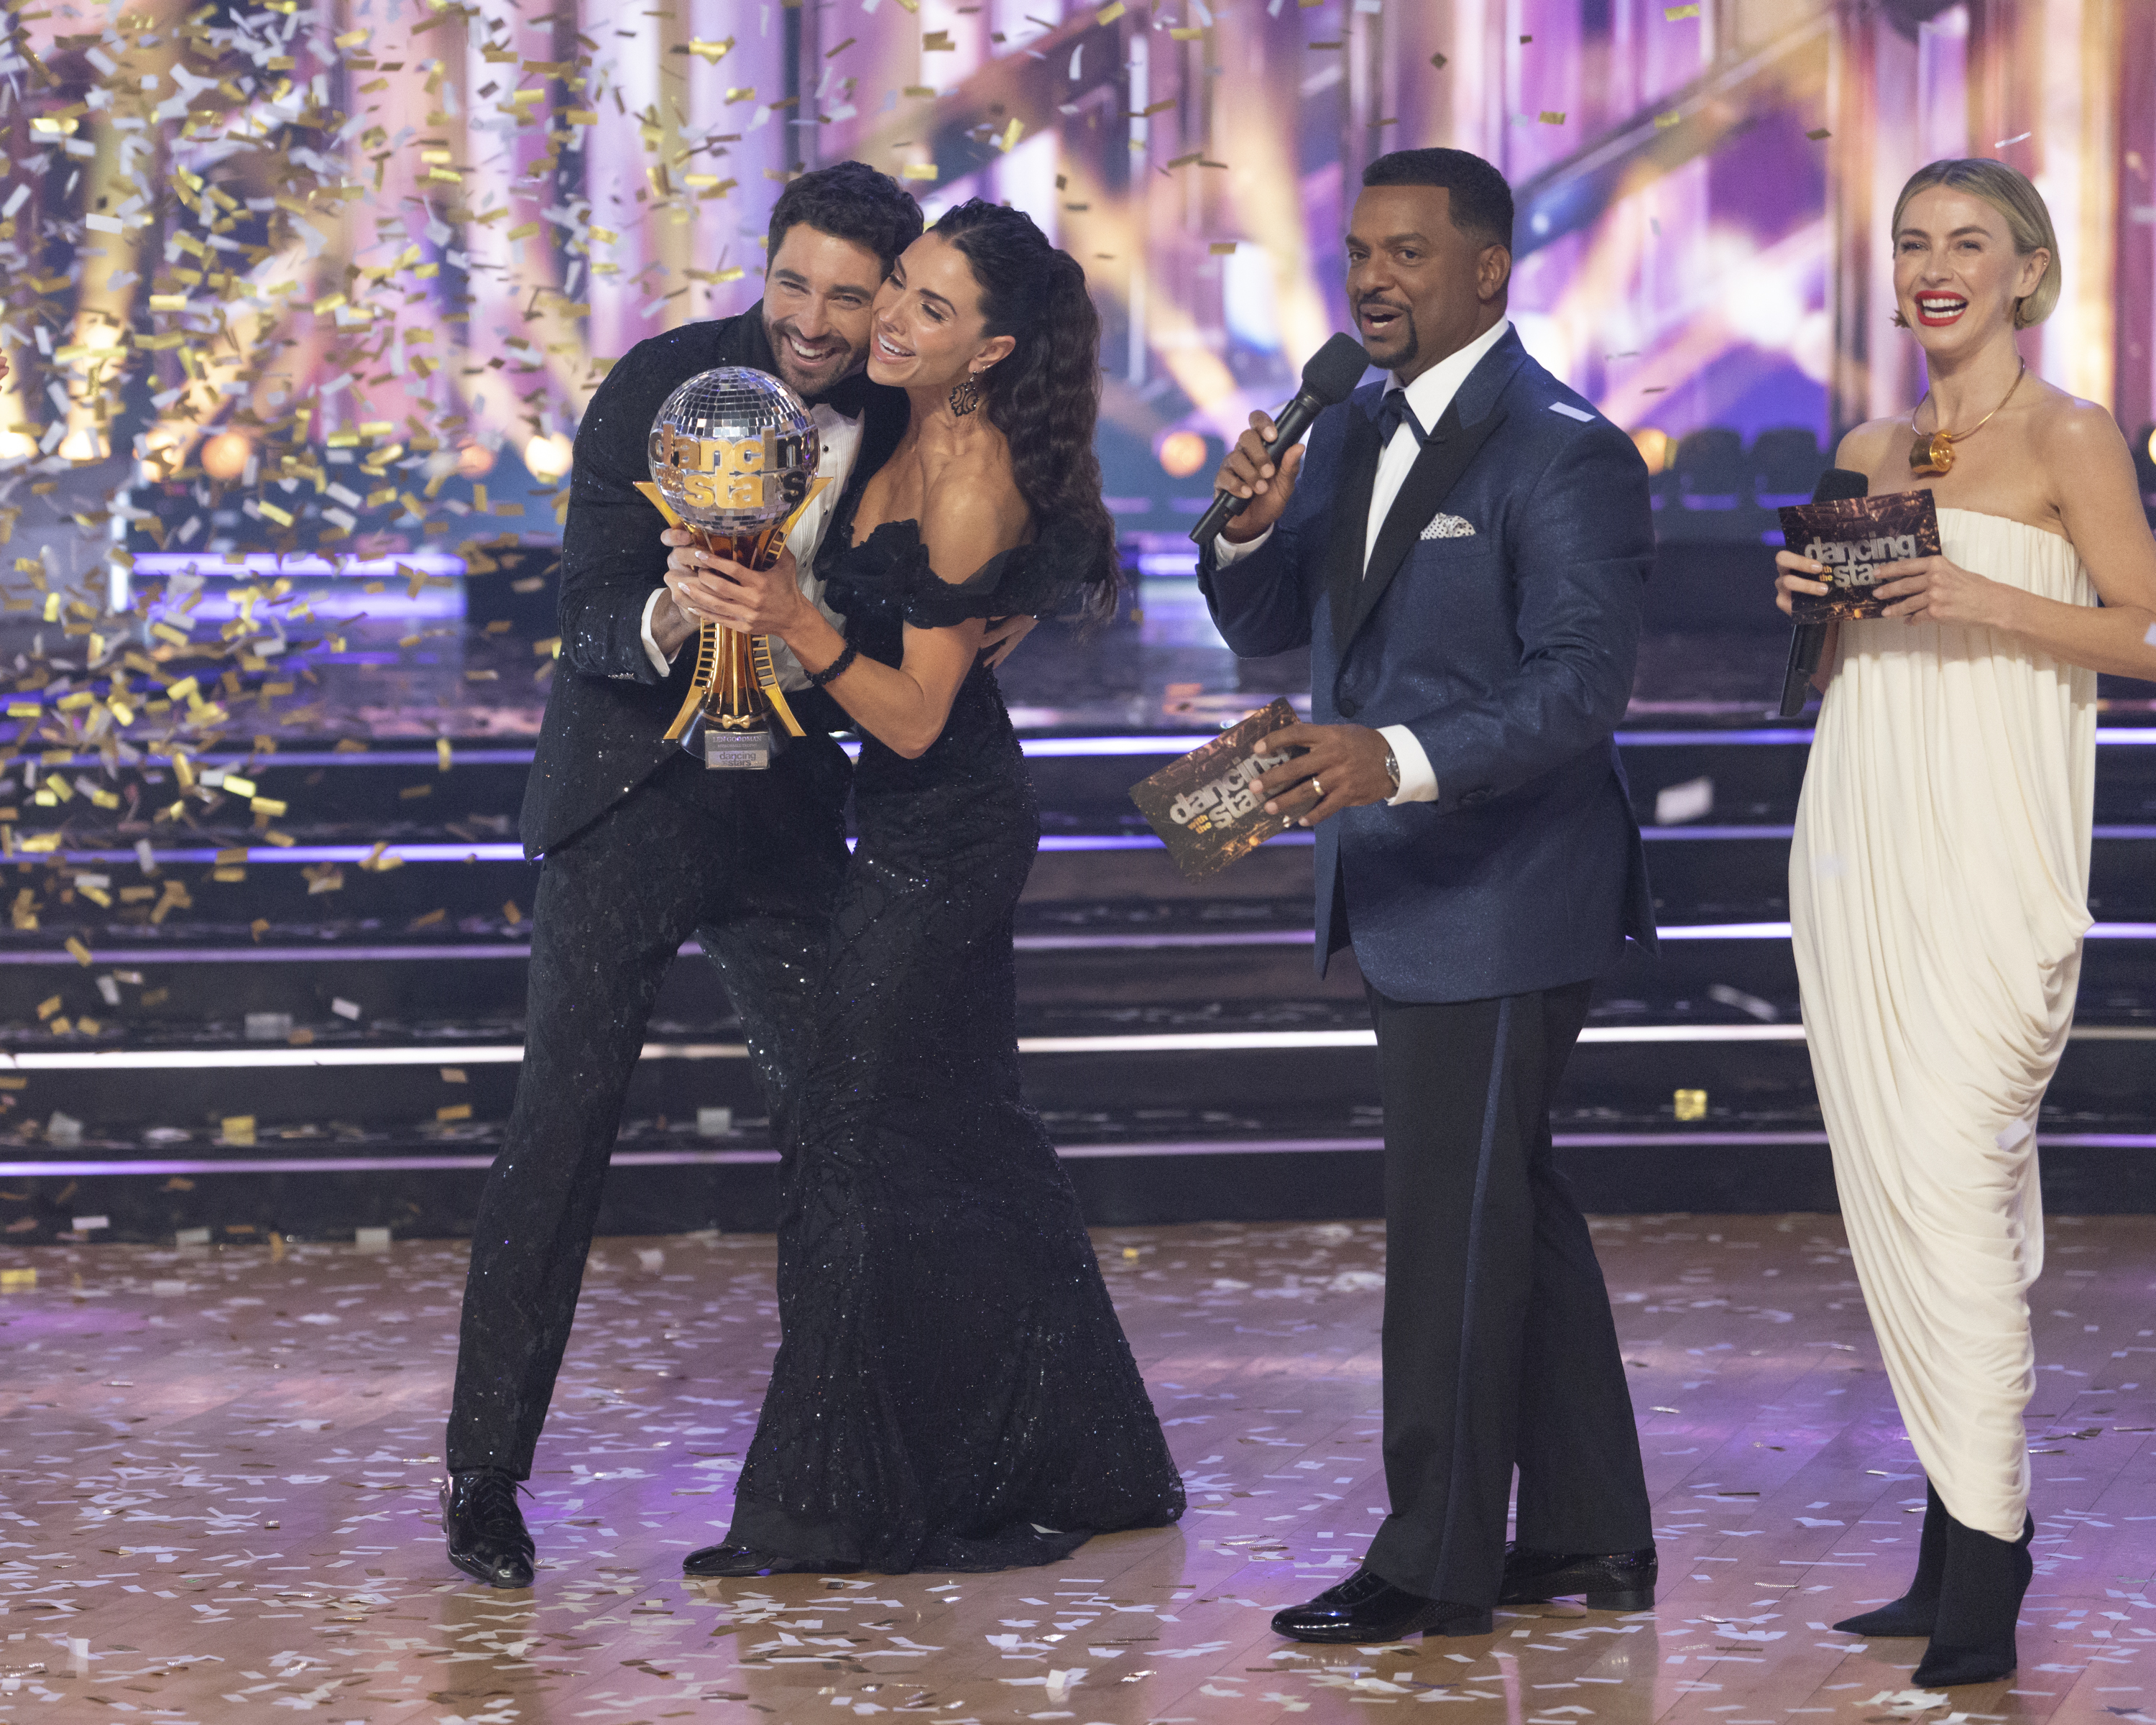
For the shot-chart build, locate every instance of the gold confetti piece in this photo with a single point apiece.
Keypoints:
(936, 42)
(455, 1110)
(79, 953)
(1550, 116)
(432, 919)
(1011, 133)
(511, 914)
(1692, 1104)
(1663, 123)
(1223, 247)
(1818, 133)
(454, 1075)
(1108, 14)
(18, 1278)
(1439, 61)
(442, 754)
(1185, 33)
(917, 171)
(710, 53)
(236, 1129)
(47, 1007)
(1672, 13)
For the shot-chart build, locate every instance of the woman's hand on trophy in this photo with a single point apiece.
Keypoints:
(1933, 590)
(756, 602)
(1799, 574)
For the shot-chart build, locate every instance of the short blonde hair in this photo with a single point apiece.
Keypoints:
(2011, 193)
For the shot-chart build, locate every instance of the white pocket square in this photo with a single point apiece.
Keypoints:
(1449, 527)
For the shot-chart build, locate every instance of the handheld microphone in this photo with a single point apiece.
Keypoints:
(1809, 638)
(1330, 377)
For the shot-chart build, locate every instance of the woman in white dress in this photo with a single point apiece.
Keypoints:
(1938, 881)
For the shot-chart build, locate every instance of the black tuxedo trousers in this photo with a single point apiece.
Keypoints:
(751, 864)
(1500, 1352)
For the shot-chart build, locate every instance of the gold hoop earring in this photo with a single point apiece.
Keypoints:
(966, 397)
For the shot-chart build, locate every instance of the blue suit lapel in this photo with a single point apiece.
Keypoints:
(1454, 442)
(1351, 516)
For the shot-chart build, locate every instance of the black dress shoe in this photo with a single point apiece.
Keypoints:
(1613, 1581)
(1918, 1610)
(1366, 1607)
(715, 1562)
(488, 1539)
(1981, 1598)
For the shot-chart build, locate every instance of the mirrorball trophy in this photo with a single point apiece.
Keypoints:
(733, 459)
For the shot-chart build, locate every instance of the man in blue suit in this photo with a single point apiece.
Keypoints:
(1463, 549)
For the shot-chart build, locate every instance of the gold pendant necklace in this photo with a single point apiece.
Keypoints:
(1933, 455)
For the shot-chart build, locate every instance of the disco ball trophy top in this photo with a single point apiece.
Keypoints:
(733, 459)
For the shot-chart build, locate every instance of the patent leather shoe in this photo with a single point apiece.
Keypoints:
(715, 1563)
(1366, 1607)
(1612, 1581)
(487, 1538)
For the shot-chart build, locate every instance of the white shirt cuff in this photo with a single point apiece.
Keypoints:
(1225, 553)
(661, 662)
(1417, 781)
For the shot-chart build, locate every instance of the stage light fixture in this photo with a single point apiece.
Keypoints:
(224, 456)
(1654, 445)
(547, 458)
(1182, 454)
(474, 461)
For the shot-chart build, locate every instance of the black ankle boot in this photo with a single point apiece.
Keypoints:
(1914, 1612)
(1980, 1600)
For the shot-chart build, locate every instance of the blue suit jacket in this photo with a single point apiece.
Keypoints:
(1508, 651)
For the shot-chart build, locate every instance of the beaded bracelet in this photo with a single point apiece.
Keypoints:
(816, 679)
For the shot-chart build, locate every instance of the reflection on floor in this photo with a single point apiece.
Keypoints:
(238, 1451)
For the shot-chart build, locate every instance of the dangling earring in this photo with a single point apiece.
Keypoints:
(966, 397)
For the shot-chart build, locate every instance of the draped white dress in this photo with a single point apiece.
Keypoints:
(1938, 894)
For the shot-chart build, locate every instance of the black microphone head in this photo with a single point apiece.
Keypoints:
(1335, 369)
(1839, 483)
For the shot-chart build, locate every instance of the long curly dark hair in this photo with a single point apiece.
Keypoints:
(1045, 395)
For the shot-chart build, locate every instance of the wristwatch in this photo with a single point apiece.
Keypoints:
(1393, 770)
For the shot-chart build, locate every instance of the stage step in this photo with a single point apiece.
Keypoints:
(1182, 1051)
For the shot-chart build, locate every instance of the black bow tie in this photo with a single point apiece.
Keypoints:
(1392, 408)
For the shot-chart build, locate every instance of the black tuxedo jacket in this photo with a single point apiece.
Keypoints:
(608, 713)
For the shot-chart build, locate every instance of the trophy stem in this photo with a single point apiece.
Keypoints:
(734, 692)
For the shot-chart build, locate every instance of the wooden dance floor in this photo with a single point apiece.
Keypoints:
(218, 1471)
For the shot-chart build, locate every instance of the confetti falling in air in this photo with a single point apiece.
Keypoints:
(272, 1547)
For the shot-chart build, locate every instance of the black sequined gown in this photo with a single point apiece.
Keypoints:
(951, 1379)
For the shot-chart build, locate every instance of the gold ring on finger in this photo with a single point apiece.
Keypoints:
(1318, 787)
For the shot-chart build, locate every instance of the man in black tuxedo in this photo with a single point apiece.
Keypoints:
(1464, 551)
(643, 845)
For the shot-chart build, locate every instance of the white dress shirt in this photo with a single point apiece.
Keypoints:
(1428, 397)
(841, 442)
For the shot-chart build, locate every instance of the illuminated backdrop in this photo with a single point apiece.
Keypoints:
(314, 264)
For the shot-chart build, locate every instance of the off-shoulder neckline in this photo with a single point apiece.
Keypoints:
(854, 544)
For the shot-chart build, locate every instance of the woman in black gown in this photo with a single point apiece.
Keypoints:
(953, 1389)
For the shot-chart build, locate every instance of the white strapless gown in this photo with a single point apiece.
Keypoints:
(1939, 893)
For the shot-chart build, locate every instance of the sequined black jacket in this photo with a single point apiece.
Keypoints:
(609, 711)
